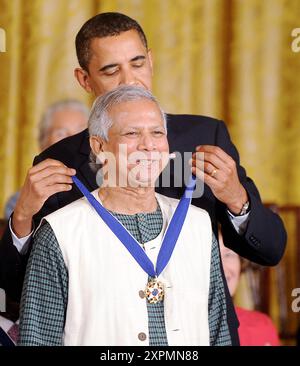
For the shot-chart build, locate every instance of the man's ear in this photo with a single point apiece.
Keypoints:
(83, 78)
(96, 144)
(150, 60)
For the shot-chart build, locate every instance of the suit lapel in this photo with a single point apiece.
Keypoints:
(85, 173)
(171, 133)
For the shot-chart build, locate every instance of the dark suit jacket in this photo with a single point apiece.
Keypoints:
(263, 242)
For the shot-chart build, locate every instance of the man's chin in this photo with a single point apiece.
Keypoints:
(142, 182)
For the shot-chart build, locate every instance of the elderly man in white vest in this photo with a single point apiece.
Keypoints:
(125, 266)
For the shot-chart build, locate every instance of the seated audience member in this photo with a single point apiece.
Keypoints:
(256, 328)
(61, 119)
(125, 266)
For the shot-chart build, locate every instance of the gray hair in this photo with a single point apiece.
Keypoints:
(100, 122)
(46, 120)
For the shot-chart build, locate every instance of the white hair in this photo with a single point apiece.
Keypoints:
(100, 122)
(47, 118)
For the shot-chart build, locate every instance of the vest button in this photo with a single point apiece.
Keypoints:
(142, 336)
(142, 294)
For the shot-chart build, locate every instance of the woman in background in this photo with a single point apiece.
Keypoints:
(256, 328)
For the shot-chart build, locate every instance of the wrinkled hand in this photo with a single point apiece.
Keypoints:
(42, 181)
(219, 172)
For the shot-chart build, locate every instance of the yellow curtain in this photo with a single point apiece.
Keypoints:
(36, 70)
(228, 59)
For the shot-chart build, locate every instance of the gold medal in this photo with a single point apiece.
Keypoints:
(154, 291)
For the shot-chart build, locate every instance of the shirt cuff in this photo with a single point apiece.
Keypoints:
(239, 222)
(20, 243)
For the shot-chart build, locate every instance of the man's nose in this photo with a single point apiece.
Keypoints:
(128, 77)
(147, 143)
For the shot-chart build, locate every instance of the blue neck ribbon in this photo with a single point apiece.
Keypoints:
(134, 248)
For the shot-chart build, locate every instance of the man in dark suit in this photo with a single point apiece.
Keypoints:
(112, 50)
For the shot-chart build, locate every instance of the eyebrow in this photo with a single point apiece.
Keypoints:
(136, 58)
(142, 127)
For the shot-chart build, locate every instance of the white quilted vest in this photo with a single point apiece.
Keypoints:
(104, 306)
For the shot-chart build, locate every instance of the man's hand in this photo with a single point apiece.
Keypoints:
(42, 181)
(220, 174)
